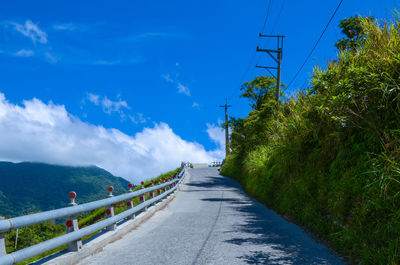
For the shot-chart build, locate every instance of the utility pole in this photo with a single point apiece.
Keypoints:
(277, 59)
(226, 106)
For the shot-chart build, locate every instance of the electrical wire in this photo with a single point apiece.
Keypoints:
(267, 12)
(266, 16)
(278, 16)
(315, 45)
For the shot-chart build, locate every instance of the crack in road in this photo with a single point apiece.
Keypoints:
(210, 232)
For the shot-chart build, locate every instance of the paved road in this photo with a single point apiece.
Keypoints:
(212, 221)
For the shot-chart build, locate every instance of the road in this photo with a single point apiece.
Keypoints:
(212, 221)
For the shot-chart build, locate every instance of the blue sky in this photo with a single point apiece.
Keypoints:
(135, 66)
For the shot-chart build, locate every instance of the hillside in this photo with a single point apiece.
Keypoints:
(329, 159)
(30, 187)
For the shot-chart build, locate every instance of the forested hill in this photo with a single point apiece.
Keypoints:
(30, 187)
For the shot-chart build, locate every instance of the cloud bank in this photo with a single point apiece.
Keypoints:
(35, 131)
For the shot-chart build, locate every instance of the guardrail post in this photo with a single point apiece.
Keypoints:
(129, 203)
(151, 196)
(159, 190)
(110, 210)
(142, 183)
(142, 199)
(2, 242)
(71, 225)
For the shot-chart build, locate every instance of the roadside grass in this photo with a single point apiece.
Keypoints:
(330, 158)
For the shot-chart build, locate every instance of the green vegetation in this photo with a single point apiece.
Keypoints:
(32, 187)
(31, 235)
(330, 159)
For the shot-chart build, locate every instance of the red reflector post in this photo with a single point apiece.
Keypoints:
(69, 223)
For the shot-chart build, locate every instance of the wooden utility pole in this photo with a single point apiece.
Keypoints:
(277, 59)
(226, 106)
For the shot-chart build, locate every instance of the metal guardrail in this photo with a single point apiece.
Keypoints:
(215, 164)
(73, 234)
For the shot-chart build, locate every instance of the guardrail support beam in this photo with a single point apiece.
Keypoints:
(71, 225)
(109, 214)
(142, 199)
(129, 203)
(110, 210)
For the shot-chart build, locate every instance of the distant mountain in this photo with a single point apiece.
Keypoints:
(31, 187)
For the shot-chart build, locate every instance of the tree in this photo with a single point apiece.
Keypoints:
(259, 90)
(355, 34)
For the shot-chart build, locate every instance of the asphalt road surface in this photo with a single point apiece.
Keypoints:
(212, 221)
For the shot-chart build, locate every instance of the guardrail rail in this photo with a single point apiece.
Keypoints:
(73, 234)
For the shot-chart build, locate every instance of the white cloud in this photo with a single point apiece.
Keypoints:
(195, 105)
(76, 27)
(168, 78)
(113, 106)
(32, 31)
(95, 99)
(217, 134)
(108, 105)
(50, 57)
(138, 118)
(105, 62)
(145, 36)
(41, 132)
(183, 89)
(25, 53)
(65, 26)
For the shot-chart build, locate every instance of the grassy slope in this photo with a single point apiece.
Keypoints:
(330, 159)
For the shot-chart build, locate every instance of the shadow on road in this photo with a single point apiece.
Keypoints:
(273, 240)
(213, 182)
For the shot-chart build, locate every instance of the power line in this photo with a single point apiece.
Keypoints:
(266, 16)
(248, 68)
(259, 41)
(315, 45)
(278, 16)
